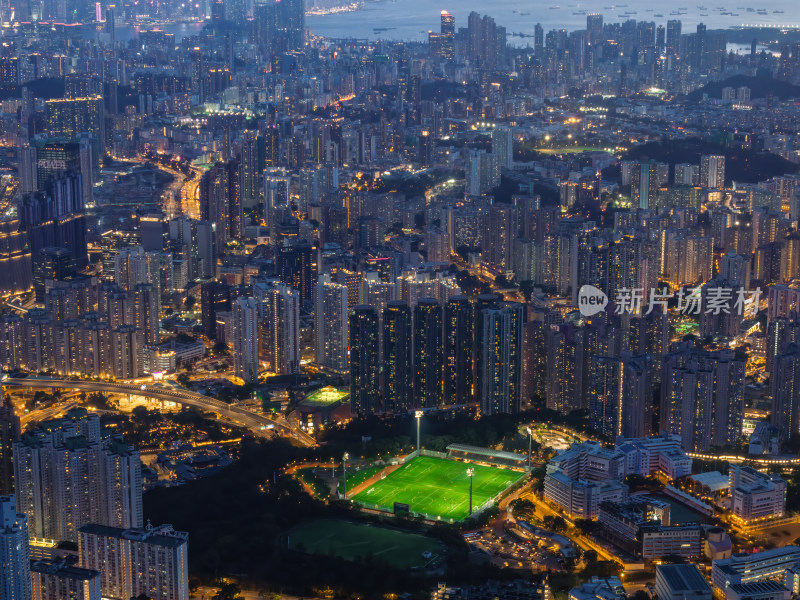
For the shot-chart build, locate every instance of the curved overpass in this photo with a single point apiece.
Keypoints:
(188, 398)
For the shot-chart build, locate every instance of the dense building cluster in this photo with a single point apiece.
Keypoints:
(598, 225)
(71, 483)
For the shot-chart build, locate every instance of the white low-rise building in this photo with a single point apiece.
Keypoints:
(756, 495)
(589, 461)
(580, 498)
(651, 455)
(578, 480)
(760, 566)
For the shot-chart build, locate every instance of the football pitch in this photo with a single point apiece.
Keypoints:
(438, 487)
(354, 541)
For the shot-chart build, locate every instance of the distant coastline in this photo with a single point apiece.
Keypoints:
(334, 10)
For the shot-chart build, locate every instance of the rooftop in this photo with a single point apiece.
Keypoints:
(757, 587)
(743, 560)
(162, 535)
(683, 578)
(64, 570)
(487, 452)
(713, 480)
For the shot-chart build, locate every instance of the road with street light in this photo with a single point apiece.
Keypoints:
(261, 425)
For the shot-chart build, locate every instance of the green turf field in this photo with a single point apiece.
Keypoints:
(356, 478)
(353, 541)
(438, 487)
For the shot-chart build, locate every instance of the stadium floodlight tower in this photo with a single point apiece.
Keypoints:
(344, 473)
(530, 444)
(470, 474)
(418, 415)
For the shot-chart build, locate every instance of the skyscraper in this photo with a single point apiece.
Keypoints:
(459, 346)
(245, 339)
(428, 353)
(481, 172)
(15, 575)
(270, 146)
(538, 41)
(252, 164)
(646, 179)
(279, 322)
(502, 148)
(69, 117)
(501, 230)
(785, 387)
(292, 23)
(500, 358)
(398, 374)
(215, 297)
(486, 41)
(447, 38)
(221, 202)
(620, 395)
(594, 27)
(375, 292)
(9, 434)
(295, 266)
(127, 352)
(67, 475)
(330, 325)
(145, 300)
(54, 580)
(673, 37)
(702, 397)
(277, 201)
(55, 218)
(149, 561)
(365, 397)
(712, 171)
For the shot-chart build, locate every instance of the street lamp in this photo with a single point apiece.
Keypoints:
(344, 472)
(470, 473)
(530, 443)
(418, 415)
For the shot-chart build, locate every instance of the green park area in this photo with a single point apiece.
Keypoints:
(357, 542)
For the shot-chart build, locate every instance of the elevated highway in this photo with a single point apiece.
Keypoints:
(259, 424)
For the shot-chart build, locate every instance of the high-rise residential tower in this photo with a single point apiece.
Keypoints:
(365, 396)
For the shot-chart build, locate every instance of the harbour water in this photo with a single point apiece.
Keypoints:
(411, 19)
